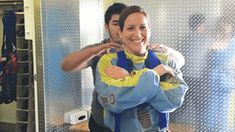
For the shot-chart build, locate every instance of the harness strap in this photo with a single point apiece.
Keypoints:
(117, 122)
(163, 120)
(151, 62)
(123, 62)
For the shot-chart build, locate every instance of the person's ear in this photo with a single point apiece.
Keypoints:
(120, 33)
(106, 26)
(121, 36)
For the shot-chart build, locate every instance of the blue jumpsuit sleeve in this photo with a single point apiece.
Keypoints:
(117, 99)
(163, 96)
(173, 90)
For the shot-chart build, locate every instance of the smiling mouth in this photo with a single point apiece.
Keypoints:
(138, 41)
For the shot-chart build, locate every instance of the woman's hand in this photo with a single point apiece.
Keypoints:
(116, 72)
(174, 54)
(161, 48)
(163, 69)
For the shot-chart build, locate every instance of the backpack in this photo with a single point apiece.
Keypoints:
(151, 62)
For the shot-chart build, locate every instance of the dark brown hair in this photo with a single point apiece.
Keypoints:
(115, 8)
(128, 11)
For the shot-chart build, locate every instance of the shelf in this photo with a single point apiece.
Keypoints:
(22, 24)
(22, 86)
(23, 98)
(22, 49)
(25, 119)
(24, 122)
(19, 13)
(25, 50)
(24, 110)
(23, 74)
(20, 37)
(10, 3)
(24, 62)
(5, 1)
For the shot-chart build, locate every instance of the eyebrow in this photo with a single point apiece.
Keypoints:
(129, 25)
(115, 21)
(140, 25)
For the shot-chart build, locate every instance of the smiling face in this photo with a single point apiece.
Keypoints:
(136, 33)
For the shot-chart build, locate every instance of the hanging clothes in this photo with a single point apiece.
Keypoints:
(1, 29)
(1, 35)
(1, 43)
(10, 66)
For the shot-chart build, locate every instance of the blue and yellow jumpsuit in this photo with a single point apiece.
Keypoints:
(142, 86)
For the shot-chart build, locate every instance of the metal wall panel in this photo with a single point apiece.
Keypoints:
(209, 103)
(38, 70)
(60, 33)
(92, 31)
(65, 26)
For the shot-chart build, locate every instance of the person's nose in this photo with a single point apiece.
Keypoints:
(137, 33)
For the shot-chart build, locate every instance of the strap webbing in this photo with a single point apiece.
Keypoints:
(151, 62)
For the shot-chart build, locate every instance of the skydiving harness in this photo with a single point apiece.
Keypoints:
(151, 62)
